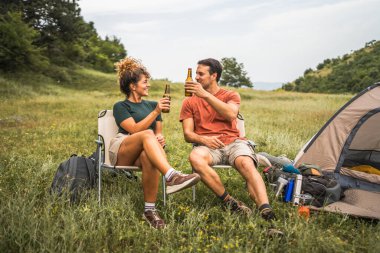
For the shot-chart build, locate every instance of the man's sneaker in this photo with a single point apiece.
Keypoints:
(181, 181)
(154, 219)
(237, 206)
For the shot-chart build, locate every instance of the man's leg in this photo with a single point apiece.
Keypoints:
(255, 182)
(201, 159)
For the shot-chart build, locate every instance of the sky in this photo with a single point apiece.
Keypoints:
(276, 40)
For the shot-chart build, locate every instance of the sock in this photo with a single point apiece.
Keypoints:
(224, 196)
(170, 173)
(263, 207)
(149, 206)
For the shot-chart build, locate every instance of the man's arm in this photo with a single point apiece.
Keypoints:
(228, 110)
(190, 136)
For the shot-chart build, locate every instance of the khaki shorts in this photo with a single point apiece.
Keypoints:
(228, 154)
(114, 147)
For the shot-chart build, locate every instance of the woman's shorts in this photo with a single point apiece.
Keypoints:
(114, 147)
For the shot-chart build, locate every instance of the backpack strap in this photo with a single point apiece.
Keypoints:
(90, 164)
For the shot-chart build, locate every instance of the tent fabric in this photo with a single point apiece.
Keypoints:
(358, 118)
(357, 203)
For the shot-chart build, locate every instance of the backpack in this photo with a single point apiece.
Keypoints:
(323, 189)
(74, 176)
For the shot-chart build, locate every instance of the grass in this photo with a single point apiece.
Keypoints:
(42, 123)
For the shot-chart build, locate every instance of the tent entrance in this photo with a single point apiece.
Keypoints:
(360, 157)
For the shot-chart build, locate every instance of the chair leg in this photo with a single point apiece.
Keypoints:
(164, 189)
(99, 174)
(192, 169)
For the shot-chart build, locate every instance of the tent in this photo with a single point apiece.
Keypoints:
(348, 148)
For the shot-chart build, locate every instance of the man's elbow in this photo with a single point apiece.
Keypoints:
(187, 137)
(231, 117)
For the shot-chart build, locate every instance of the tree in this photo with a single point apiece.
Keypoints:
(234, 74)
(17, 50)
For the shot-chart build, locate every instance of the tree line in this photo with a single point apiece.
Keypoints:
(41, 34)
(350, 73)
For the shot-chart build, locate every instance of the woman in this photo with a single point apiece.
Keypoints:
(139, 141)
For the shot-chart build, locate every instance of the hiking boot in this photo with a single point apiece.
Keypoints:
(181, 181)
(237, 206)
(154, 219)
(268, 214)
(274, 232)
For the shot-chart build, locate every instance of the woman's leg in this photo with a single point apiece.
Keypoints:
(150, 179)
(132, 146)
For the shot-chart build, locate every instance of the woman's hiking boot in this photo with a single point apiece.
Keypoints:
(154, 219)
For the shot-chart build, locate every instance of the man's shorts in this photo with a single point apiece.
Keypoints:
(228, 154)
(114, 147)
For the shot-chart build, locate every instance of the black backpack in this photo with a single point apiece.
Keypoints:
(74, 176)
(323, 189)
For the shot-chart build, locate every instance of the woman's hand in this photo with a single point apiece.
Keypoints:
(161, 140)
(162, 104)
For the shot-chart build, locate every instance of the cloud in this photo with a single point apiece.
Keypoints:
(275, 39)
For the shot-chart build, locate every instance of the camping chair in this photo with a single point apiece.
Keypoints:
(107, 129)
(241, 128)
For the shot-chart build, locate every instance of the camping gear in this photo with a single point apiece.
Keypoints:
(310, 170)
(323, 189)
(73, 177)
(276, 161)
(281, 182)
(297, 190)
(304, 211)
(289, 190)
(350, 138)
(290, 168)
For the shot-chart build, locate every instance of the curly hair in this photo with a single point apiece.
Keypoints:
(129, 71)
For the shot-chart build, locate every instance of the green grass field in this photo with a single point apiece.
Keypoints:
(42, 123)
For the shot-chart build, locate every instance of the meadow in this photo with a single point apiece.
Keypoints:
(43, 122)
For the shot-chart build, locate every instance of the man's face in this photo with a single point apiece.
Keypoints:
(203, 76)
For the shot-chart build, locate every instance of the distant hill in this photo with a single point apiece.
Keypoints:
(350, 73)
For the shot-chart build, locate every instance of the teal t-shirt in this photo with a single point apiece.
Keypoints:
(123, 110)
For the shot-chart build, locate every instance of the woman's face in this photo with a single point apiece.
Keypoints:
(142, 86)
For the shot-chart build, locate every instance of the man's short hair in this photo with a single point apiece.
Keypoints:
(214, 65)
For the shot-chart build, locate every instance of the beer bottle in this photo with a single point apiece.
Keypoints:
(188, 79)
(166, 95)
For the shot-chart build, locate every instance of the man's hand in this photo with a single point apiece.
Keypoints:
(161, 140)
(212, 142)
(197, 89)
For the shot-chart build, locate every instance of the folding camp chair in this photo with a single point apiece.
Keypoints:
(241, 128)
(107, 129)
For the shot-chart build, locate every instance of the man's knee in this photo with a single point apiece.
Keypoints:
(245, 164)
(199, 158)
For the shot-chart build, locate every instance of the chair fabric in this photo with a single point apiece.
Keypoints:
(107, 129)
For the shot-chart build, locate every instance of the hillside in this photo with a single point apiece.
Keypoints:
(348, 74)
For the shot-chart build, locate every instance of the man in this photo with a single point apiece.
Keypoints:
(209, 120)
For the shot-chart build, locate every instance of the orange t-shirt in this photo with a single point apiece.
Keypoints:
(207, 121)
